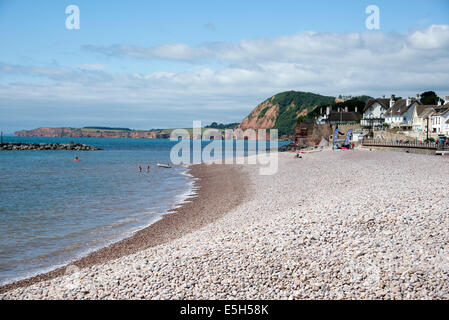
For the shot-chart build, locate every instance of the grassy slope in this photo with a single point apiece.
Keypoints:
(291, 103)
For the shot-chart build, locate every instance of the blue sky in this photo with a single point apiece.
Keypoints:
(154, 64)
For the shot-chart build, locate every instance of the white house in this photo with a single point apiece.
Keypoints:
(374, 112)
(440, 120)
(401, 112)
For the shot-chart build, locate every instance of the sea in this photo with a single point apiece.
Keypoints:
(54, 210)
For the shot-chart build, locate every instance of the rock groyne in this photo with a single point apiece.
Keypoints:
(47, 146)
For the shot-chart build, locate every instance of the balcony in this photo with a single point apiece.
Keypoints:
(371, 121)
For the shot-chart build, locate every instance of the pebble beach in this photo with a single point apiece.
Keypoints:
(333, 225)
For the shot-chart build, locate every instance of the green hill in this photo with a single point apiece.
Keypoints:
(282, 111)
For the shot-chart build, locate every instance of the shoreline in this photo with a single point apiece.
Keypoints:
(331, 225)
(210, 202)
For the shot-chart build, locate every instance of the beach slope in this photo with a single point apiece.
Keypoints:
(332, 225)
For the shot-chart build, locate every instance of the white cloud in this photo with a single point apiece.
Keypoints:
(290, 48)
(236, 76)
(434, 37)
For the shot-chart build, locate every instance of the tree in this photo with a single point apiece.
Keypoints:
(429, 98)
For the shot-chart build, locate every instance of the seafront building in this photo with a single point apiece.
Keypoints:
(339, 116)
(440, 120)
(374, 112)
(393, 112)
(400, 113)
(422, 118)
(403, 116)
(406, 114)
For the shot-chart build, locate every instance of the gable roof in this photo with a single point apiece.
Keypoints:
(420, 109)
(445, 110)
(335, 116)
(441, 110)
(400, 107)
(383, 102)
(428, 110)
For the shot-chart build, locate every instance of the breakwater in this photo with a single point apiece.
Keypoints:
(47, 146)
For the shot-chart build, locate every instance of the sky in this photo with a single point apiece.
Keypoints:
(162, 64)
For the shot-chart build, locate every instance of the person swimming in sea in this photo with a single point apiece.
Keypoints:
(77, 159)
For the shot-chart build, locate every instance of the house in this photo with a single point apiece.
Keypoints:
(432, 118)
(344, 117)
(423, 118)
(339, 116)
(401, 112)
(440, 120)
(374, 112)
(421, 115)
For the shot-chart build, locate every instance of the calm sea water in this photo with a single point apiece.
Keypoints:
(54, 210)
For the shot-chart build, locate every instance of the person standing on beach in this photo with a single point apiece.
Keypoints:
(140, 169)
(148, 168)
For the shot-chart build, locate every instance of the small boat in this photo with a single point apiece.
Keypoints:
(311, 151)
(160, 165)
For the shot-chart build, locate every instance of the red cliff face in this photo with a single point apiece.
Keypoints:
(41, 132)
(262, 117)
(83, 133)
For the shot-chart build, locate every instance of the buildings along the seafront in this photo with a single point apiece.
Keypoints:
(374, 112)
(407, 115)
(440, 120)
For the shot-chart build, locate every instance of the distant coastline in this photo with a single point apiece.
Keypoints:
(103, 132)
(94, 132)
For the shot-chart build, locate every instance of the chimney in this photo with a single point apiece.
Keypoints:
(328, 110)
(439, 102)
(408, 101)
(417, 96)
(392, 101)
(383, 97)
(446, 99)
(346, 109)
(356, 109)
